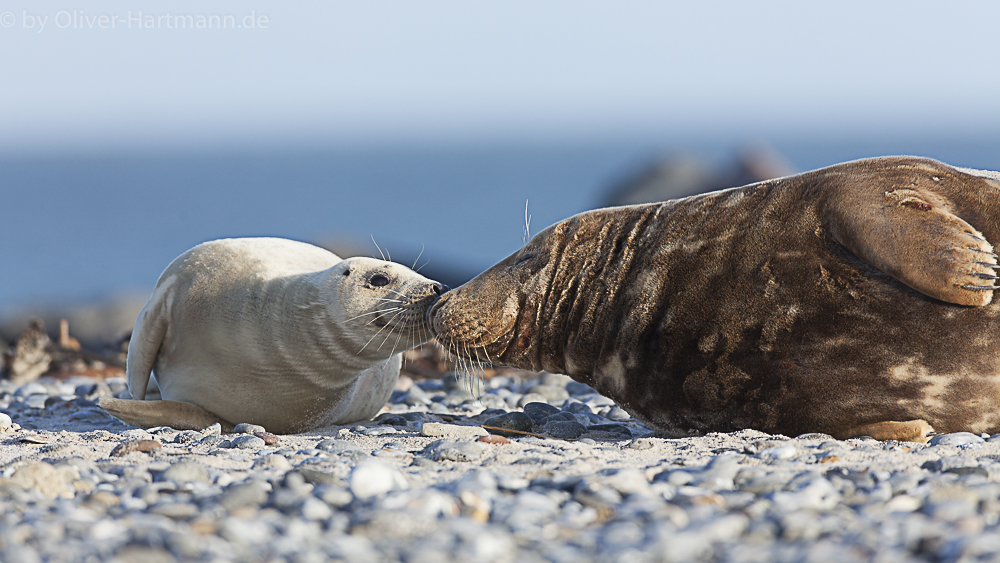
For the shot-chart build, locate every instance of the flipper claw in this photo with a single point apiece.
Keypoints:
(980, 287)
(987, 264)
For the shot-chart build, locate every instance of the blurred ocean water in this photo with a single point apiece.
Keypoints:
(84, 227)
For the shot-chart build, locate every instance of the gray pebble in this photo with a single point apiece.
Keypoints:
(529, 398)
(564, 429)
(247, 443)
(577, 407)
(36, 401)
(510, 421)
(619, 429)
(187, 437)
(641, 444)
(247, 428)
(446, 450)
(955, 439)
(185, 472)
(29, 389)
(574, 388)
(437, 429)
(618, 413)
(539, 412)
(552, 393)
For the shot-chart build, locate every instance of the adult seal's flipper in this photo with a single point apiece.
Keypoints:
(912, 233)
(175, 414)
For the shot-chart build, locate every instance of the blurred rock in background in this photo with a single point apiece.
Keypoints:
(685, 174)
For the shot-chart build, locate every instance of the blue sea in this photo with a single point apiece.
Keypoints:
(87, 227)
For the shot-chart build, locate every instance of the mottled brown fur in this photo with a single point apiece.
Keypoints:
(834, 301)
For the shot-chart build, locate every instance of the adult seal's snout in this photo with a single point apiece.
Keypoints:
(856, 299)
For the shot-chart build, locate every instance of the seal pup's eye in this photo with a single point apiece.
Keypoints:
(379, 280)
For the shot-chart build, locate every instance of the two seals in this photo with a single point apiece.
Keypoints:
(272, 332)
(852, 300)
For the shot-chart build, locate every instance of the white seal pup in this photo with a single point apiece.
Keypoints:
(273, 332)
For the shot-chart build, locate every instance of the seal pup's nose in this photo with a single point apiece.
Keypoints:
(439, 288)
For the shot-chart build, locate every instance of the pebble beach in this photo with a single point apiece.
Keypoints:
(561, 475)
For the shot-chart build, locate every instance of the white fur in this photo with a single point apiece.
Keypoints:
(270, 331)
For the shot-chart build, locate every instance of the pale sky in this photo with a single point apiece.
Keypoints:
(452, 71)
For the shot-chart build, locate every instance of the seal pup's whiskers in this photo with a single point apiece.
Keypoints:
(383, 254)
(370, 313)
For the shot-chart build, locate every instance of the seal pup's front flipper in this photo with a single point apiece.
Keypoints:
(175, 414)
(910, 230)
(906, 431)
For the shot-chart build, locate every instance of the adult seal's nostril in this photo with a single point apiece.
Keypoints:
(439, 288)
(864, 304)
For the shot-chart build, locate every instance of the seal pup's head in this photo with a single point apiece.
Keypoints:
(382, 305)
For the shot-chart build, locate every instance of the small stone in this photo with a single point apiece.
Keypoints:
(379, 431)
(175, 510)
(574, 388)
(273, 461)
(529, 398)
(247, 442)
(780, 452)
(552, 393)
(539, 412)
(342, 448)
(187, 437)
(437, 429)
(244, 532)
(269, 439)
(955, 439)
(185, 472)
(317, 477)
(247, 428)
(509, 421)
(5, 421)
(212, 430)
(611, 428)
(315, 509)
(42, 477)
(491, 439)
(618, 413)
(641, 444)
(130, 446)
(372, 478)
(415, 396)
(564, 429)
(334, 495)
(249, 493)
(31, 389)
(36, 401)
(814, 436)
(577, 407)
(444, 450)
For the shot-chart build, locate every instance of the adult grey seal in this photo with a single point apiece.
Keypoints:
(272, 332)
(852, 300)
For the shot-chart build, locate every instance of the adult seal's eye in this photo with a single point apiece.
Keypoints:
(379, 280)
